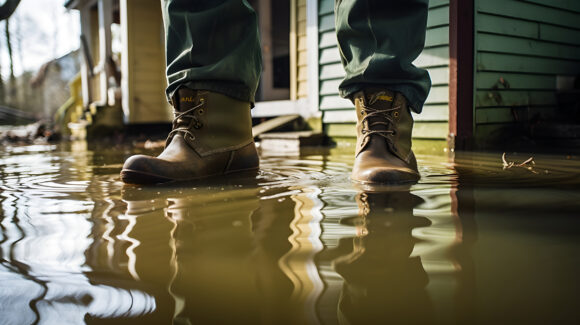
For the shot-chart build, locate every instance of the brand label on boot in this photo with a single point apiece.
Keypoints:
(187, 100)
(385, 98)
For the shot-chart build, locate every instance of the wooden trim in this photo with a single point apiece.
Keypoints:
(105, 12)
(87, 68)
(293, 50)
(87, 55)
(127, 51)
(273, 123)
(461, 73)
(71, 4)
(281, 107)
(312, 52)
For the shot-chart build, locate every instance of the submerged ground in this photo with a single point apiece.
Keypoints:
(471, 243)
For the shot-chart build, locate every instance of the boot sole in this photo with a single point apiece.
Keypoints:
(383, 187)
(390, 183)
(130, 176)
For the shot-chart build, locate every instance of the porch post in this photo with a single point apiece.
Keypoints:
(105, 21)
(85, 15)
(312, 53)
(293, 50)
(126, 77)
(461, 73)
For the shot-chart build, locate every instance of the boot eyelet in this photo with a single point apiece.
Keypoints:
(396, 114)
(200, 111)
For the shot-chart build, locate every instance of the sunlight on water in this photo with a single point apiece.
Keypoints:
(297, 244)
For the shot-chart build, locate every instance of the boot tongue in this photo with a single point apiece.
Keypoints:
(379, 101)
(186, 99)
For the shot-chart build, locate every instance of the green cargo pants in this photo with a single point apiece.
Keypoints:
(215, 45)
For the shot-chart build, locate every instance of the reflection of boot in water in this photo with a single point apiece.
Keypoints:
(382, 283)
(214, 281)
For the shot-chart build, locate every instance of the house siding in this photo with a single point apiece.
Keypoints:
(522, 48)
(145, 66)
(338, 113)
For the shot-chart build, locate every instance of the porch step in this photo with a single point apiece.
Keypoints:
(272, 124)
(291, 142)
(96, 121)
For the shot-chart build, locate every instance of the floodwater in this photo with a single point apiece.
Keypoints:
(299, 244)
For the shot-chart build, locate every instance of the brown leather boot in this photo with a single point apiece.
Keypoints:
(211, 136)
(383, 148)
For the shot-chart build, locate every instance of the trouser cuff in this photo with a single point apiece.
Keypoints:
(415, 100)
(235, 90)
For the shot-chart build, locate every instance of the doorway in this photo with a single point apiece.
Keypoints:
(274, 25)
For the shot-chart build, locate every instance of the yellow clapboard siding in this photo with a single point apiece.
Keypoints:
(302, 73)
(301, 12)
(302, 58)
(302, 55)
(146, 63)
(303, 89)
(302, 44)
(302, 28)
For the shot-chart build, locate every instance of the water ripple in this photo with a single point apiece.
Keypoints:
(300, 239)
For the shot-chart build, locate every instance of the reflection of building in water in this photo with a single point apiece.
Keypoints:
(251, 257)
(301, 254)
(216, 251)
(46, 274)
(263, 259)
(52, 297)
(298, 263)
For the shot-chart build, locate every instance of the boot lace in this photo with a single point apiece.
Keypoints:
(383, 119)
(179, 126)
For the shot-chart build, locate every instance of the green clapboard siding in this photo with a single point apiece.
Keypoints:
(492, 80)
(338, 113)
(523, 10)
(571, 5)
(522, 47)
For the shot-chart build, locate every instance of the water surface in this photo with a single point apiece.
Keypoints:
(299, 244)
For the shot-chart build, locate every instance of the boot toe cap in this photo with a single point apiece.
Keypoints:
(139, 163)
(141, 169)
